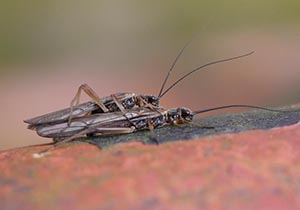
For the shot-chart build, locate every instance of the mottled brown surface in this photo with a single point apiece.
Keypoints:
(250, 170)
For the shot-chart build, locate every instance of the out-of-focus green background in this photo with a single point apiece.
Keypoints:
(49, 48)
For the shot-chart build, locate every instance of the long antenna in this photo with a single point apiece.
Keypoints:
(174, 63)
(238, 106)
(201, 67)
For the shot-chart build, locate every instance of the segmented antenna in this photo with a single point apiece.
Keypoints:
(173, 65)
(238, 106)
(201, 67)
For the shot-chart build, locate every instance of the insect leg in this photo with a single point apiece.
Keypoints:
(57, 143)
(116, 130)
(101, 131)
(151, 128)
(118, 103)
(91, 93)
(140, 101)
(120, 106)
(201, 125)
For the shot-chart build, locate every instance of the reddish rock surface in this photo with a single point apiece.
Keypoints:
(249, 170)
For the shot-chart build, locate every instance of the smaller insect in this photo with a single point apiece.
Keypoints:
(122, 123)
(115, 102)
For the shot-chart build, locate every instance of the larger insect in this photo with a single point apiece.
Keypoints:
(115, 102)
(123, 122)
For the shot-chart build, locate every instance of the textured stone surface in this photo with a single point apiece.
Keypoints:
(257, 169)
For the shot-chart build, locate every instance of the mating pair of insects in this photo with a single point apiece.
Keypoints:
(119, 113)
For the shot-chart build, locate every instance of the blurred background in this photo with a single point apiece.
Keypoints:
(49, 48)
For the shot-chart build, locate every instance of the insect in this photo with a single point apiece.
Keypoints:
(115, 102)
(123, 122)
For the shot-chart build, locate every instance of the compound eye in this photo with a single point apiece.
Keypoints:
(129, 103)
(153, 100)
(186, 114)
